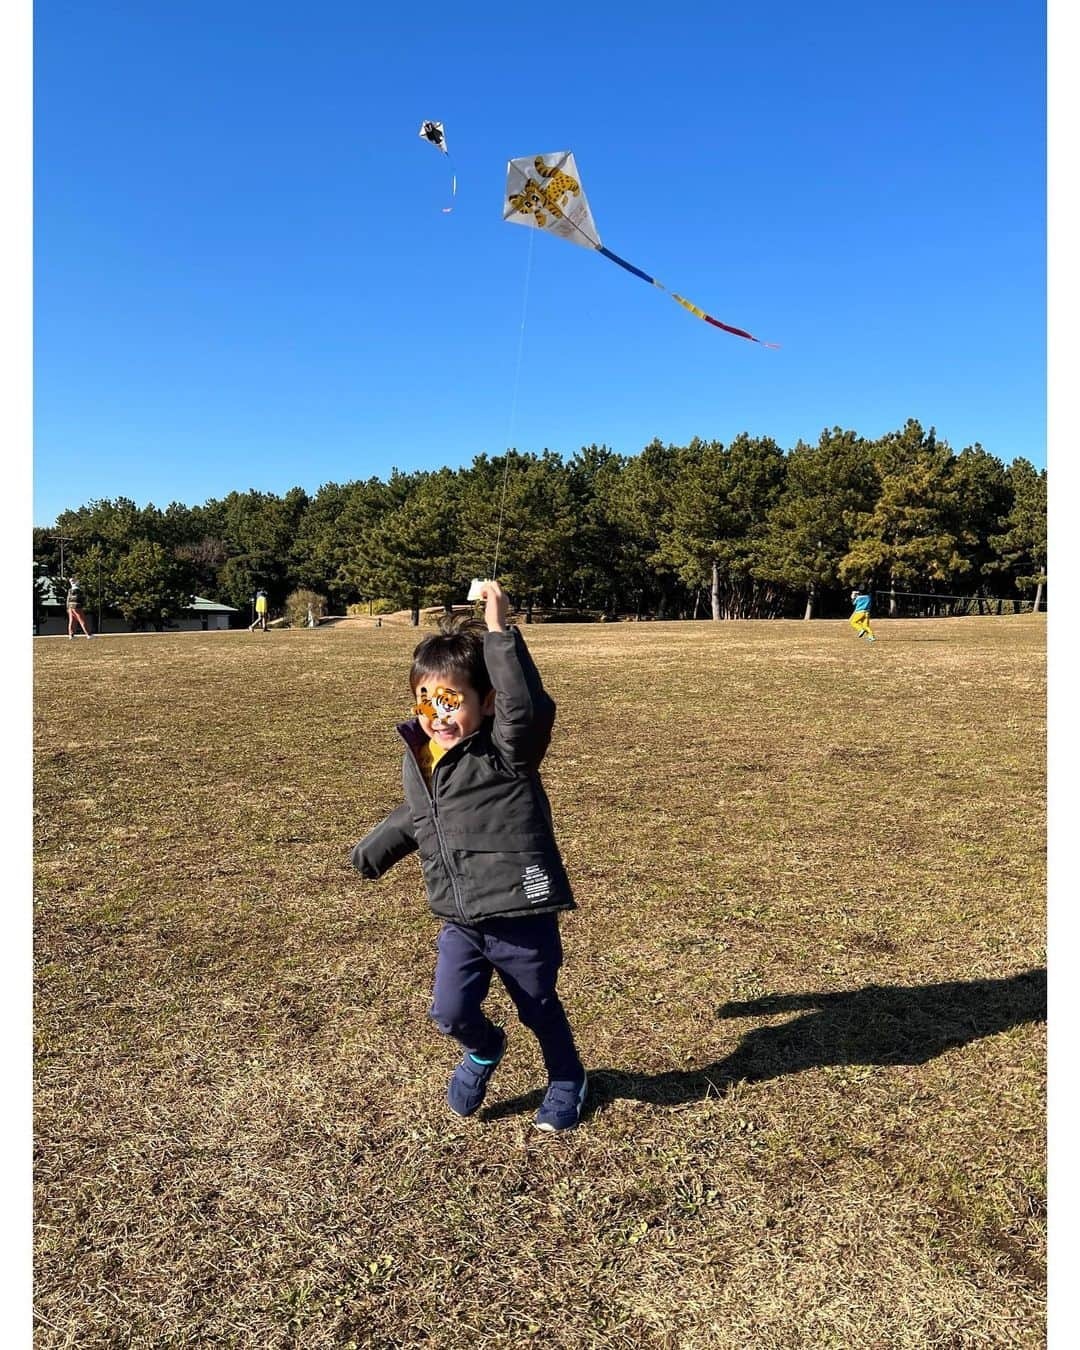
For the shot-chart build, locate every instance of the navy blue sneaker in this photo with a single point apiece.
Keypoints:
(561, 1107)
(469, 1081)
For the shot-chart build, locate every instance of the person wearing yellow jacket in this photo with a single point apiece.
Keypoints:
(260, 611)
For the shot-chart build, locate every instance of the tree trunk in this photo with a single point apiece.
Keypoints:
(416, 610)
(697, 602)
(529, 608)
(810, 596)
(1038, 599)
(892, 599)
(716, 592)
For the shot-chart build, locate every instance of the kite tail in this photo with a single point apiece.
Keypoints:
(629, 266)
(453, 194)
(738, 332)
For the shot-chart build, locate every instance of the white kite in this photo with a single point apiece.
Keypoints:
(545, 193)
(433, 133)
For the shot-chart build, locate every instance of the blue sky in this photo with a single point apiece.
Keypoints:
(243, 276)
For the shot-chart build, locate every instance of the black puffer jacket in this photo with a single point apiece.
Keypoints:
(484, 831)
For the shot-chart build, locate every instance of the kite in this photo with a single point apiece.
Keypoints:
(433, 132)
(545, 193)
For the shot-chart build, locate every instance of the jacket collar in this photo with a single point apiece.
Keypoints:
(412, 733)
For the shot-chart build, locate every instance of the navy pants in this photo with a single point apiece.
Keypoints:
(527, 953)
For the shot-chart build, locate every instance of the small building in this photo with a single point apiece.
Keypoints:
(205, 615)
(201, 615)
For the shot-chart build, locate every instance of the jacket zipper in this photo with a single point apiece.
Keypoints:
(442, 843)
(433, 793)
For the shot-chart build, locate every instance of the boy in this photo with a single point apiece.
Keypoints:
(477, 811)
(860, 619)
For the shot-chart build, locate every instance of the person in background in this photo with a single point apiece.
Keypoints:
(260, 611)
(860, 619)
(75, 609)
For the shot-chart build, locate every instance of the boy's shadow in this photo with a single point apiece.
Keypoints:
(878, 1024)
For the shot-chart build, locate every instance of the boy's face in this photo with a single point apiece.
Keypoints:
(458, 709)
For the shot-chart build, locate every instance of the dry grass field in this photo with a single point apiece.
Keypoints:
(807, 976)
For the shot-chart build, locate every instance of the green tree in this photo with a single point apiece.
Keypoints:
(909, 538)
(808, 530)
(95, 566)
(205, 558)
(412, 554)
(638, 506)
(149, 585)
(115, 523)
(331, 535)
(980, 500)
(240, 577)
(519, 509)
(258, 530)
(1021, 549)
(316, 551)
(597, 565)
(716, 523)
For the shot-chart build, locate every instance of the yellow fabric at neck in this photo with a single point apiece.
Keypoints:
(429, 755)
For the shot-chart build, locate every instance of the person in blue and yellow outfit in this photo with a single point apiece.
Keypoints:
(860, 619)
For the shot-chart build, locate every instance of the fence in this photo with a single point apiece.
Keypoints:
(930, 605)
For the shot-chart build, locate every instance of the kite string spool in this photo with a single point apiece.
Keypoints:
(513, 402)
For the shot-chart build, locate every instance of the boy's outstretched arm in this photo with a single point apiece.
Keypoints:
(390, 841)
(524, 711)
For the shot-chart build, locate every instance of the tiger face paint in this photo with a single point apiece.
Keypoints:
(440, 705)
(449, 712)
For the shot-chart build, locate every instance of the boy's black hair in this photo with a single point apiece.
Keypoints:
(457, 650)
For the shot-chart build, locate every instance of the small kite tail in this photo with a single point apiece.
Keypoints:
(738, 332)
(453, 194)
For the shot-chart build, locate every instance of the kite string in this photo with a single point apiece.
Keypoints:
(513, 401)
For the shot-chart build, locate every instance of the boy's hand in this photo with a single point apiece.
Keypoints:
(496, 606)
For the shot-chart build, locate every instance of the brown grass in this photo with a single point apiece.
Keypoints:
(811, 884)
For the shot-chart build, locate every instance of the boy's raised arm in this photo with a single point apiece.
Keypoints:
(390, 841)
(524, 711)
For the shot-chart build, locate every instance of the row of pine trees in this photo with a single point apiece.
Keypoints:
(742, 530)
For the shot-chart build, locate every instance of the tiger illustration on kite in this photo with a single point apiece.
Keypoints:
(535, 198)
